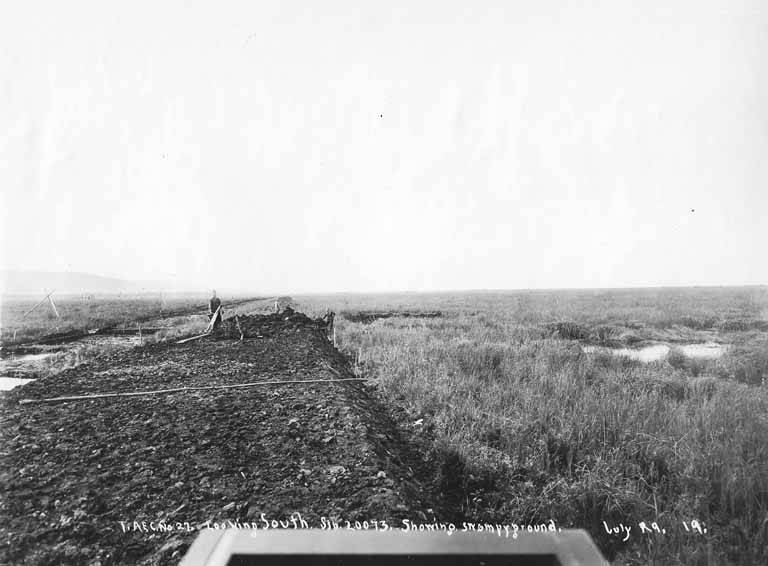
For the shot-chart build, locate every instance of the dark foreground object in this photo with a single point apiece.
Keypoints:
(233, 547)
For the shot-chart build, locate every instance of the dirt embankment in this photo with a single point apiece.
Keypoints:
(71, 472)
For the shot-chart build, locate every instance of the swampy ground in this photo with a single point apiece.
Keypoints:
(477, 406)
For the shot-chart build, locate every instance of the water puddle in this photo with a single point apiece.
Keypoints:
(49, 359)
(8, 383)
(704, 351)
(24, 362)
(708, 351)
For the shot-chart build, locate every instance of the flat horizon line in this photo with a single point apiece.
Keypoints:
(266, 295)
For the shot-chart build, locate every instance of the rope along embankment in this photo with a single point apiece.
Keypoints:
(184, 389)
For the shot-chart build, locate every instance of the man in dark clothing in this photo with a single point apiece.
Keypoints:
(213, 306)
(328, 320)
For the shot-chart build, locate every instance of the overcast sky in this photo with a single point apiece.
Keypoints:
(398, 145)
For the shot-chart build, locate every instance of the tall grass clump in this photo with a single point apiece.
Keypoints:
(746, 362)
(680, 361)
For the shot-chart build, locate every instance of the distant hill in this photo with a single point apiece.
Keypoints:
(33, 282)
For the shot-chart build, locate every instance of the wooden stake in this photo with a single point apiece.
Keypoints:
(213, 319)
(50, 298)
(193, 338)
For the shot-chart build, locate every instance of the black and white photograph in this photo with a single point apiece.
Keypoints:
(417, 282)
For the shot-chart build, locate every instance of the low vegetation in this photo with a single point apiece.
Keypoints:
(533, 429)
(528, 427)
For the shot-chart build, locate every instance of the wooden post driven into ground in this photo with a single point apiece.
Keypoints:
(50, 298)
(213, 320)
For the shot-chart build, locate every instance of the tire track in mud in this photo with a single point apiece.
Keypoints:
(71, 472)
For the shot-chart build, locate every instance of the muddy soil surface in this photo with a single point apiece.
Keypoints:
(71, 471)
(367, 317)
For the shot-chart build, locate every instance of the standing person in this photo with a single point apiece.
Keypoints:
(213, 306)
(328, 319)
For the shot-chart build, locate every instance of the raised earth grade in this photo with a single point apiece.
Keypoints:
(70, 472)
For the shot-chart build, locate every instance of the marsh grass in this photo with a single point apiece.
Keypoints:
(530, 428)
(692, 366)
(608, 439)
(746, 361)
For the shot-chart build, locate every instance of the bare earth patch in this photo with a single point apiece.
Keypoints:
(71, 472)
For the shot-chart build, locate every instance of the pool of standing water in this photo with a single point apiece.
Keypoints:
(655, 352)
